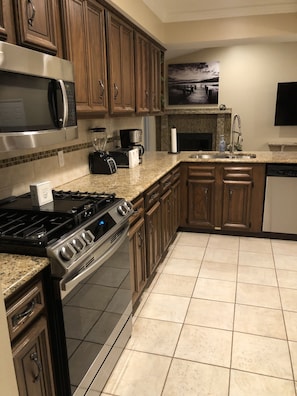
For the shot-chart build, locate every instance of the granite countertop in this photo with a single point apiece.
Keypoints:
(15, 270)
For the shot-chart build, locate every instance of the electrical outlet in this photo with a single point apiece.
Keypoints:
(61, 158)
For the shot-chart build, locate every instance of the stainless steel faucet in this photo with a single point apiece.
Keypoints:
(238, 144)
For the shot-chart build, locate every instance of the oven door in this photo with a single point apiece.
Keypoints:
(97, 311)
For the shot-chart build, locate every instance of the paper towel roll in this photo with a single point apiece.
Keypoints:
(173, 140)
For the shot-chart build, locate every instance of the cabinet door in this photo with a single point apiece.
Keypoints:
(142, 70)
(36, 25)
(6, 21)
(121, 66)
(166, 208)
(201, 199)
(155, 79)
(138, 258)
(175, 207)
(236, 204)
(85, 36)
(153, 237)
(32, 363)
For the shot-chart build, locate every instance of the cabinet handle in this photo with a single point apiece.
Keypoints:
(29, 309)
(35, 359)
(102, 89)
(31, 6)
(140, 239)
(116, 90)
(154, 196)
(230, 194)
(206, 193)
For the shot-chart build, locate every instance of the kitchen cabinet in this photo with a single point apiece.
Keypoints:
(223, 196)
(137, 250)
(27, 324)
(166, 208)
(148, 75)
(86, 48)
(35, 23)
(7, 32)
(153, 230)
(120, 45)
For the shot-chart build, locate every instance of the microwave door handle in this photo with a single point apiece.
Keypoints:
(65, 102)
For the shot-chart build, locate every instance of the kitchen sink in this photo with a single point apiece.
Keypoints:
(216, 155)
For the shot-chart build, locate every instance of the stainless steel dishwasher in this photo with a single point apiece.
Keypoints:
(280, 205)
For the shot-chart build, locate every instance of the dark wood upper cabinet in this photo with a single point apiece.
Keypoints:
(7, 32)
(35, 23)
(120, 45)
(86, 48)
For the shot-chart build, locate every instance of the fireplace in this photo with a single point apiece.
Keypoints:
(201, 121)
(191, 141)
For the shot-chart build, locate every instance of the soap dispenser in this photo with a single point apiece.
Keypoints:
(222, 144)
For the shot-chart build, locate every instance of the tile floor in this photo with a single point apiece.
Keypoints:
(219, 319)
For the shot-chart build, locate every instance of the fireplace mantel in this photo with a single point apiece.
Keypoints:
(199, 120)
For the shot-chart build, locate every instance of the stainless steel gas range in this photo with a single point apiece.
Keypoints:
(85, 236)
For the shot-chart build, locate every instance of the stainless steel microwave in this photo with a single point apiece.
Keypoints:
(37, 99)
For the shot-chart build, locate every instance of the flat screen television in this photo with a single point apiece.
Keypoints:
(286, 104)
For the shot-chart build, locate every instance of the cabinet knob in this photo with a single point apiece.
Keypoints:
(31, 7)
(116, 90)
(102, 89)
(36, 360)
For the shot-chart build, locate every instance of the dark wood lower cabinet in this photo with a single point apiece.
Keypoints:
(31, 355)
(153, 234)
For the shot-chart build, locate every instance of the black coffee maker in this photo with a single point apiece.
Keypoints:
(132, 138)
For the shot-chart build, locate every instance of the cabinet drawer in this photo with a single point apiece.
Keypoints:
(165, 183)
(238, 172)
(25, 309)
(207, 172)
(152, 195)
(175, 175)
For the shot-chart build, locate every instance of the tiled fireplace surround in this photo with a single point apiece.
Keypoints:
(203, 120)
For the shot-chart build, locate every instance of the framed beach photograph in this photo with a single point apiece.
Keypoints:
(193, 83)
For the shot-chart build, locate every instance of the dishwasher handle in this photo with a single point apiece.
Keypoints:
(92, 265)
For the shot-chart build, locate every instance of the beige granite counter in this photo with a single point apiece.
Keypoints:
(16, 270)
(128, 183)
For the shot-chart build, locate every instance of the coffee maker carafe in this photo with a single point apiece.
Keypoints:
(132, 138)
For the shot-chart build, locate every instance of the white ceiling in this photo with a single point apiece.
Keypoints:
(193, 10)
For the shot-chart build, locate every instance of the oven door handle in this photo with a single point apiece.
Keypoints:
(91, 266)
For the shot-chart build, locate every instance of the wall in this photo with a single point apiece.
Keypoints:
(18, 169)
(248, 81)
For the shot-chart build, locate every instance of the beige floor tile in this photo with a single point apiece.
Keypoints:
(154, 336)
(205, 345)
(189, 252)
(261, 355)
(285, 262)
(193, 239)
(212, 289)
(138, 373)
(256, 275)
(257, 245)
(249, 384)
(182, 267)
(219, 271)
(223, 242)
(293, 351)
(260, 321)
(209, 313)
(256, 259)
(258, 295)
(284, 247)
(289, 299)
(218, 255)
(192, 379)
(287, 278)
(291, 325)
(176, 285)
(165, 307)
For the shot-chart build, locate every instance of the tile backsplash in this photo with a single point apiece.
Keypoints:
(18, 169)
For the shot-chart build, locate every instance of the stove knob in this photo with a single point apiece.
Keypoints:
(66, 253)
(128, 205)
(77, 244)
(122, 210)
(87, 236)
